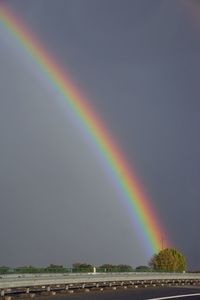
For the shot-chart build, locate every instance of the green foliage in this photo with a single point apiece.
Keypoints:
(4, 270)
(124, 268)
(114, 268)
(77, 268)
(55, 269)
(168, 260)
(142, 269)
(82, 267)
(25, 269)
(50, 269)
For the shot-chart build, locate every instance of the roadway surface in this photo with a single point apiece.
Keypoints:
(186, 293)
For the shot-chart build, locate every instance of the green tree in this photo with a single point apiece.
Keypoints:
(168, 260)
(82, 267)
(55, 269)
(4, 270)
(124, 268)
(115, 268)
(142, 269)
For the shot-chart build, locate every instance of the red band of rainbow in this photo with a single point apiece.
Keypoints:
(126, 180)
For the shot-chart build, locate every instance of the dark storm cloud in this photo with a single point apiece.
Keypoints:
(138, 62)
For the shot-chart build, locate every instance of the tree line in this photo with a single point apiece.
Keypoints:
(167, 260)
(76, 268)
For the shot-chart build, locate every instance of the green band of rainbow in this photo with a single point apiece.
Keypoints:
(126, 180)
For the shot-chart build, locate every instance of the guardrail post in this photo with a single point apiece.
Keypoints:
(48, 289)
(27, 290)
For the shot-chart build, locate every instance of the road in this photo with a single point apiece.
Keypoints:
(136, 294)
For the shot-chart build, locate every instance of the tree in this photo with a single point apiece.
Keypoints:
(82, 267)
(168, 260)
(142, 269)
(115, 268)
(4, 270)
(124, 268)
(55, 269)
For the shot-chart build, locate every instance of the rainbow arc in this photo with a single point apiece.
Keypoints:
(125, 179)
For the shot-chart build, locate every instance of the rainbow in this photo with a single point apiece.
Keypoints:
(193, 8)
(125, 180)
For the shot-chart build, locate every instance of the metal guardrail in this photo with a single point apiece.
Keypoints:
(56, 283)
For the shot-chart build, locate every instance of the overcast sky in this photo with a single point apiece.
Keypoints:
(138, 62)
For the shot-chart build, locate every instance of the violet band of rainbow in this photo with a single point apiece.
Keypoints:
(125, 178)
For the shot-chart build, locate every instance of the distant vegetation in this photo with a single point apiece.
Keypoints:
(115, 268)
(82, 267)
(168, 260)
(143, 269)
(4, 270)
(76, 268)
(30, 269)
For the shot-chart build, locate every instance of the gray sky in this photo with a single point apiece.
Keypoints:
(138, 63)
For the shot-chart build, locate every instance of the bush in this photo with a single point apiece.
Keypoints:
(82, 267)
(114, 268)
(142, 269)
(4, 270)
(168, 260)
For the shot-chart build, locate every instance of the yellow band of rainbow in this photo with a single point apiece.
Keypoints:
(126, 180)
